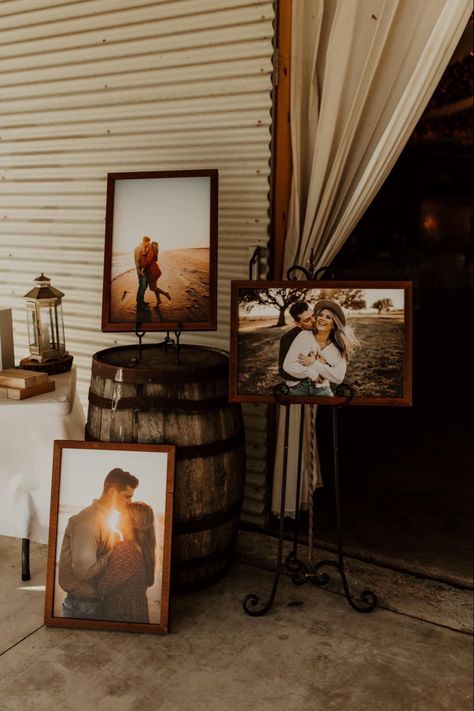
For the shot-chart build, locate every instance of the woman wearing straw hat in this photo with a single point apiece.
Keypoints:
(321, 355)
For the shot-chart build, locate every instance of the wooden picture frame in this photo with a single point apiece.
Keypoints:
(160, 258)
(121, 582)
(368, 362)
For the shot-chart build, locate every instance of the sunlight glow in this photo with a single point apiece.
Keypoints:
(112, 522)
(36, 588)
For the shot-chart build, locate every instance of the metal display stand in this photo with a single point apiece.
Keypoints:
(25, 559)
(168, 342)
(300, 572)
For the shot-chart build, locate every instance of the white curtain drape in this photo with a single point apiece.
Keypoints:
(362, 73)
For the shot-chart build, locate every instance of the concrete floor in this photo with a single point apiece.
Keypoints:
(311, 651)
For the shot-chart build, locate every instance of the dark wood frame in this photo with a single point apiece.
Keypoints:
(49, 617)
(234, 395)
(211, 323)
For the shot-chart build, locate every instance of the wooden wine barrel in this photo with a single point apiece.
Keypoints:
(158, 401)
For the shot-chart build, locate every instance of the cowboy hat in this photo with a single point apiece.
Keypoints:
(332, 306)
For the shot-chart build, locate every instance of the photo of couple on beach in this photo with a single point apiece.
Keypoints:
(110, 540)
(309, 340)
(160, 251)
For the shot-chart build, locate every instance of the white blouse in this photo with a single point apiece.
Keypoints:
(333, 371)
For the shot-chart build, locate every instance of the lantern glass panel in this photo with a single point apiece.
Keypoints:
(47, 328)
(32, 328)
(56, 316)
(52, 330)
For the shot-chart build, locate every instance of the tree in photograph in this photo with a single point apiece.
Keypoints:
(383, 305)
(351, 299)
(280, 298)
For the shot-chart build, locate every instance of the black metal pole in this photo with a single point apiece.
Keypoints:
(368, 598)
(25, 559)
(337, 488)
(298, 483)
(251, 601)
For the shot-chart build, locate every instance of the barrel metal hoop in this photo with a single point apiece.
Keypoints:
(150, 403)
(207, 522)
(196, 563)
(211, 449)
(195, 451)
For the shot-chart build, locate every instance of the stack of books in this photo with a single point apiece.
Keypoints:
(18, 384)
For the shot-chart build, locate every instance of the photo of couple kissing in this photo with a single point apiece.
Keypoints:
(108, 555)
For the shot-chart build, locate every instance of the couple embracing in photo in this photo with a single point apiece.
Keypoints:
(313, 355)
(105, 565)
(148, 272)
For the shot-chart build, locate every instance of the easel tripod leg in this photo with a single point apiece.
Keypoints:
(25, 559)
(251, 601)
(301, 573)
(368, 598)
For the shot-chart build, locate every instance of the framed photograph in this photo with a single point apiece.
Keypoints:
(110, 536)
(321, 342)
(160, 260)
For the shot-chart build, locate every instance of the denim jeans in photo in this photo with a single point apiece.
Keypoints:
(306, 388)
(82, 608)
(142, 285)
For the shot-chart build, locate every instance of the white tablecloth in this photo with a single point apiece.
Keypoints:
(27, 431)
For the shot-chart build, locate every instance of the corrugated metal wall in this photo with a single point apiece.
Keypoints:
(98, 86)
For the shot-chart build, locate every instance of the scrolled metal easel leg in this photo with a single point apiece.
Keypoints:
(25, 559)
(251, 601)
(368, 598)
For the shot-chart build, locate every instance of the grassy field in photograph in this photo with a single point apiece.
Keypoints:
(376, 368)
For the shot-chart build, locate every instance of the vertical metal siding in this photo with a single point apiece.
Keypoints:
(97, 86)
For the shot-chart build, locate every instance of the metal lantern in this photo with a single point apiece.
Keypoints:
(46, 329)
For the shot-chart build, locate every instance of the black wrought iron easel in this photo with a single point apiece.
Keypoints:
(168, 342)
(300, 572)
(25, 559)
